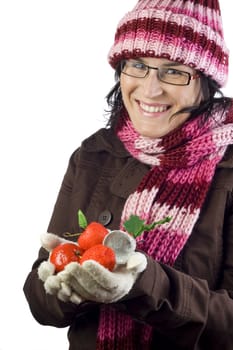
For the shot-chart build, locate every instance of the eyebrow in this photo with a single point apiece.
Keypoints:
(173, 64)
(168, 64)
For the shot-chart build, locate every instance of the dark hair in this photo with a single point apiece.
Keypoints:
(212, 98)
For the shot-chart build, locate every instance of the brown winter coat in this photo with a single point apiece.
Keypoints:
(190, 305)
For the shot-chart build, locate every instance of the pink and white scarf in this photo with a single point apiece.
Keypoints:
(183, 164)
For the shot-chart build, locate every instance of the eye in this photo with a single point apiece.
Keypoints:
(172, 71)
(138, 65)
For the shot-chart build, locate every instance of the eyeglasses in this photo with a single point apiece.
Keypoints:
(168, 75)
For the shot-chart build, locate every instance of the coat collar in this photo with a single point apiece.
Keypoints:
(227, 160)
(132, 171)
(105, 140)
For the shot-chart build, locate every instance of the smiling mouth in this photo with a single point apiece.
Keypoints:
(153, 109)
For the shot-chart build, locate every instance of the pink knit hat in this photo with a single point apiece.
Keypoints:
(187, 31)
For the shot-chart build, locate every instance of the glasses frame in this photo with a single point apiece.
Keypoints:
(189, 75)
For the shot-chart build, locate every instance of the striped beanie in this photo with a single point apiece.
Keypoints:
(185, 31)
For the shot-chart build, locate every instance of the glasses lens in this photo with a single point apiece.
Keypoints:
(173, 76)
(135, 69)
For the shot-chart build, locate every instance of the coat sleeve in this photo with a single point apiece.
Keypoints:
(184, 308)
(45, 308)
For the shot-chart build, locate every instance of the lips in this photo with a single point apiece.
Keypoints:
(153, 108)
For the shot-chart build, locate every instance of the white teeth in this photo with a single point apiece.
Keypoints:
(153, 109)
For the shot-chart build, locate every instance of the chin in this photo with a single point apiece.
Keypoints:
(153, 130)
(153, 133)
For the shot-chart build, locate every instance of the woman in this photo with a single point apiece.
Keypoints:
(166, 152)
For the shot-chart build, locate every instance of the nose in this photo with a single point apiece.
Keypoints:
(152, 85)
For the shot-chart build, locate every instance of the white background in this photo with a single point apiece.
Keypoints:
(54, 77)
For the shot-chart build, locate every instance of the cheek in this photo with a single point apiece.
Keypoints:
(197, 92)
(127, 87)
(191, 96)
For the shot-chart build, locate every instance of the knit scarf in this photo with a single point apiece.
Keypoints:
(182, 164)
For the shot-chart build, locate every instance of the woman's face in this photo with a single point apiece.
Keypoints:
(151, 103)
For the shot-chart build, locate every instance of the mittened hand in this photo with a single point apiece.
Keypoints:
(49, 241)
(90, 280)
(94, 282)
(53, 282)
